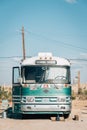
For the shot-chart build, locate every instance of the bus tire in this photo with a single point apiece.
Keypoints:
(66, 116)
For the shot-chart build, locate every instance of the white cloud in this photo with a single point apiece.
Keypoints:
(71, 1)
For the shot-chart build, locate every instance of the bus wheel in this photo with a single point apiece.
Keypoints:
(66, 116)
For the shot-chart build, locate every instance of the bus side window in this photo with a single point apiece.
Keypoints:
(16, 74)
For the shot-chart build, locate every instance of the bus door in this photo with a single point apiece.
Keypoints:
(16, 88)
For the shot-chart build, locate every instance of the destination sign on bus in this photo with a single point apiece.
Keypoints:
(46, 62)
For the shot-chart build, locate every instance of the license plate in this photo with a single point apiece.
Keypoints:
(45, 100)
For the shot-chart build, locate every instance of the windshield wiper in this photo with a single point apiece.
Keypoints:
(42, 77)
(60, 77)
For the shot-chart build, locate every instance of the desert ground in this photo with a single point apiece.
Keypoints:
(79, 107)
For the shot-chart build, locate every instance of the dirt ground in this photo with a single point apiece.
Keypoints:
(78, 108)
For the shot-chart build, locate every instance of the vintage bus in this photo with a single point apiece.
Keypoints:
(42, 85)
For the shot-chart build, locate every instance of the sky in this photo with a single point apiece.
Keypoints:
(57, 26)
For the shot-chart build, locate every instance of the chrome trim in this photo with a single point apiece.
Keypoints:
(45, 108)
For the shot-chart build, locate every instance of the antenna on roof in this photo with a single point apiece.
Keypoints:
(23, 43)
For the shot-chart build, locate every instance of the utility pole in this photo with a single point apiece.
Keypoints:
(23, 43)
(78, 82)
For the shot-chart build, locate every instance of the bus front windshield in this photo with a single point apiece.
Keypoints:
(46, 74)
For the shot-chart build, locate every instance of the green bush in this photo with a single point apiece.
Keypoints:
(73, 97)
(85, 92)
(5, 94)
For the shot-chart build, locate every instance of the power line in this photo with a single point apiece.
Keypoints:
(78, 59)
(20, 57)
(13, 57)
(9, 57)
(57, 41)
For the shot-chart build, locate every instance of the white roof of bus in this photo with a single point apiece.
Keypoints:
(60, 61)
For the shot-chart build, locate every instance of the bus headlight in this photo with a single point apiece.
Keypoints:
(30, 99)
(68, 99)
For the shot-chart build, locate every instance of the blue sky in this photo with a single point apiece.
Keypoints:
(57, 26)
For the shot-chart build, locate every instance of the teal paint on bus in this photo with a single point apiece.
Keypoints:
(46, 92)
(41, 91)
(16, 90)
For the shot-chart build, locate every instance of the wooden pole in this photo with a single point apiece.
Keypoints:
(78, 82)
(23, 43)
